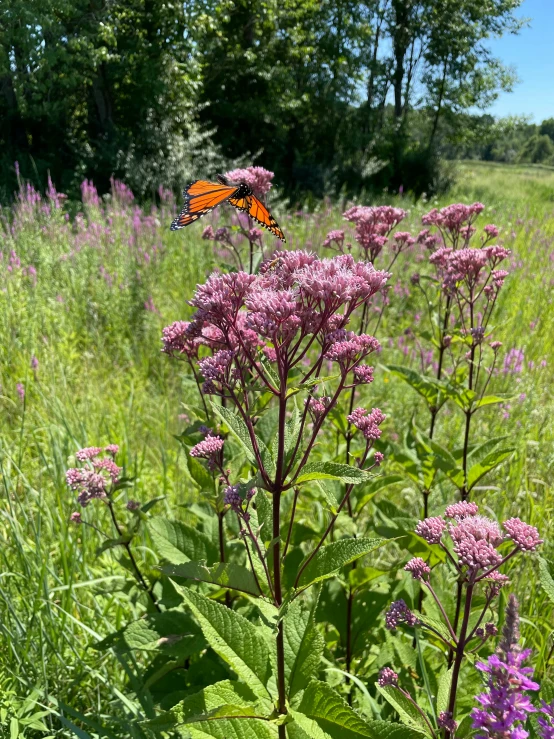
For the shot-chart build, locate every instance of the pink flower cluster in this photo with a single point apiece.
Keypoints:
(367, 422)
(258, 178)
(95, 478)
(452, 219)
(373, 227)
(211, 449)
(334, 237)
(176, 340)
(277, 310)
(399, 613)
(476, 538)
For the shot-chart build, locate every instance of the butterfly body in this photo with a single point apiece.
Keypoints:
(202, 196)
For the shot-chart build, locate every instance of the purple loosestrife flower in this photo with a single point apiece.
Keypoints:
(132, 505)
(546, 721)
(20, 390)
(76, 517)
(504, 706)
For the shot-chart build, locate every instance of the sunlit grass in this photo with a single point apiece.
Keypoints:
(93, 321)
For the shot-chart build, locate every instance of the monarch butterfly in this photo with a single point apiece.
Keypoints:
(202, 196)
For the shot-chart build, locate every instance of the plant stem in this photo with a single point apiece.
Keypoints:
(277, 588)
(459, 655)
(221, 535)
(138, 574)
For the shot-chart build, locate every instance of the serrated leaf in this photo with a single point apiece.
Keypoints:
(329, 559)
(211, 698)
(265, 514)
(547, 581)
(234, 728)
(387, 730)
(304, 647)
(435, 624)
(488, 463)
(225, 574)
(234, 638)
(332, 471)
(237, 427)
(178, 542)
(408, 713)
(443, 690)
(331, 713)
(171, 632)
(200, 474)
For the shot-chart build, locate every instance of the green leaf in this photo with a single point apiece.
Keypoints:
(225, 574)
(329, 559)
(372, 488)
(408, 713)
(197, 706)
(443, 690)
(265, 514)
(234, 638)
(113, 543)
(151, 503)
(488, 400)
(332, 471)
(237, 427)
(171, 632)
(427, 387)
(200, 475)
(304, 647)
(233, 728)
(492, 460)
(178, 543)
(331, 713)
(387, 730)
(435, 624)
(547, 581)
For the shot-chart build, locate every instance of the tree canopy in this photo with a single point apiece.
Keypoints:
(330, 94)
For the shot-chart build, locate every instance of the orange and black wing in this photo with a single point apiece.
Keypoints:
(257, 210)
(200, 198)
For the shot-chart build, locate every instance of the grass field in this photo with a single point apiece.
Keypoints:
(82, 307)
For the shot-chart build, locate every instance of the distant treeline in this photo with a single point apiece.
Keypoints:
(513, 140)
(330, 94)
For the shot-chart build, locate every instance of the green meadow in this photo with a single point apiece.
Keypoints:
(82, 305)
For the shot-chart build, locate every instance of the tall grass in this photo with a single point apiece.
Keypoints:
(82, 305)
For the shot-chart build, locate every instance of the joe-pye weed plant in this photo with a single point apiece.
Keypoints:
(275, 362)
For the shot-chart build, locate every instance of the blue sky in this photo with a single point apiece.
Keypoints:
(532, 54)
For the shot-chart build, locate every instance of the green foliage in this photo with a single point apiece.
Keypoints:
(155, 93)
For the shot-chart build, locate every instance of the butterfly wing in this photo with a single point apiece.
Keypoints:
(201, 197)
(257, 210)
